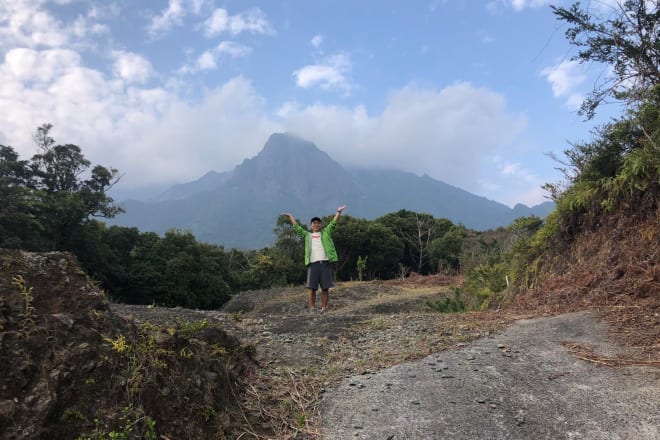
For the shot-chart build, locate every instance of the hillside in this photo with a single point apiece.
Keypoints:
(72, 367)
(240, 208)
(614, 267)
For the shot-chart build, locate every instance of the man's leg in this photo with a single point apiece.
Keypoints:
(312, 298)
(324, 299)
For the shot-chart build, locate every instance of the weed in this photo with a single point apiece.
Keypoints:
(133, 424)
(361, 267)
(448, 304)
(376, 323)
(218, 350)
(73, 414)
(28, 316)
(119, 345)
(195, 326)
(249, 349)
(207, 412)
(186, 353)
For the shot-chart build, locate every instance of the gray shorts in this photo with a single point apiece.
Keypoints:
(319, 273)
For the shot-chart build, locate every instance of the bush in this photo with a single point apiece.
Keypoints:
(453, 304)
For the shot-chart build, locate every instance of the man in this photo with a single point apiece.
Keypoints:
(319, 254)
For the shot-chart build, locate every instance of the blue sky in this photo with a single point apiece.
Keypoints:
(473, 93)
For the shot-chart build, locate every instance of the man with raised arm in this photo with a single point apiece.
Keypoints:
(319, 254)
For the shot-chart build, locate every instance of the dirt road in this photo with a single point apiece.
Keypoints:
(521, 384)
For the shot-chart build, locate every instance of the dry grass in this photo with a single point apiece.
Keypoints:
(370, 326)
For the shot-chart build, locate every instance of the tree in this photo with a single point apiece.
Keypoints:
(523, 227)
(351, 241)
(66, 201)
(416, 230)
(176, 270)
(105, 254)
(288, 241)
(629, 42)
(384, 250)
(445, 251)
(19, 227)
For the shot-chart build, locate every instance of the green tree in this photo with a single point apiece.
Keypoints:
(66, 200)
(290, 247)
(105, 254)
(416, 231)
(384, 250)
(176, 270)
(19, 227)
(523, 228)
(351, 240)
(627, 41)
(445, 251)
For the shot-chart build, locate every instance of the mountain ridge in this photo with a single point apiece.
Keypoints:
(239, 208)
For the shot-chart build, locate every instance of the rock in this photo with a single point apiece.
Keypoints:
(64, 318)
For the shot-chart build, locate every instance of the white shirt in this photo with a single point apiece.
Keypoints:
(317, 252)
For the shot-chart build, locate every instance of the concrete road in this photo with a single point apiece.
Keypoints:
(521, 384)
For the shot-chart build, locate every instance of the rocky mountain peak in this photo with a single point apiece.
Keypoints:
(288, 165)
(287, 144)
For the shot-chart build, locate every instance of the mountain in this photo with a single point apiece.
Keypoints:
(239, 208)
(208, 182)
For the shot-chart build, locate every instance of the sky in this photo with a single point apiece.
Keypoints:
(477, 94)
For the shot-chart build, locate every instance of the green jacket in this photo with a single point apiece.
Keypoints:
(326, 241)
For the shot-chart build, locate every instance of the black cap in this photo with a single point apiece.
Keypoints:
(315, 219)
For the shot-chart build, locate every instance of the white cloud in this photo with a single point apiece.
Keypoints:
(287, 109)
(168, 18)
(519, 5)
(23, 23)
(516, 170)
(329, 74)
(131, 67)
(566, 79)
(174, 15)
(317, 40)
(228, 125)
(448, 134)
(26, 65)
(208, 60)
(149, 134)
(253, 21)
(232, 49)
(496, 6)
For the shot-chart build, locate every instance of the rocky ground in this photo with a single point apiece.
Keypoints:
(370, 326)
(72, 368)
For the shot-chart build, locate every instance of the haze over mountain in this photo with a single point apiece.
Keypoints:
(240, 208)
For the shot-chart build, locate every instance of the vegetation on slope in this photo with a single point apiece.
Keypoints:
(72, 369)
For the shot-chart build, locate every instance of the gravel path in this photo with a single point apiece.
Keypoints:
(521, 384)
